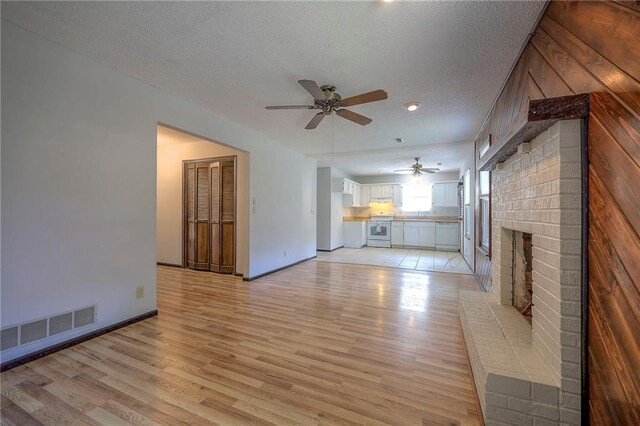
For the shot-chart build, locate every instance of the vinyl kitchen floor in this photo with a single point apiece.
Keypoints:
(416, 259)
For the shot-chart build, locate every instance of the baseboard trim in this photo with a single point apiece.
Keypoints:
(329, 251)
(172, 265)
(75, 341)
(278, 270)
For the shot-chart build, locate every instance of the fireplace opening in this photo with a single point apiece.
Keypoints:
(521, 279)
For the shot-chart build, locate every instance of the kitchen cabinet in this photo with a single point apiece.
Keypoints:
(355, 195)
(397, 195)
(380, 192)
(444, 194)
(364, 195)
(447, 236)
(355, 233)
(347, 186)
(419, 234)
(397, 233)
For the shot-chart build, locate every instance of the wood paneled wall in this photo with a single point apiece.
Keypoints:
(578, 47)
(614, 263)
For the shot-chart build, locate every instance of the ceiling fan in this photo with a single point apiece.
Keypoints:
(327, 100)
(417, 168)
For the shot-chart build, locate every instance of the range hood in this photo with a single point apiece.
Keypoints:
(380, 199)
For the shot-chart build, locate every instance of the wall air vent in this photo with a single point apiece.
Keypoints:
(60, 323)
(85, 316)
(9, 338)
(31, 331)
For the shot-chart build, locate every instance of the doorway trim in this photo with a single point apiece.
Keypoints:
(185, 163)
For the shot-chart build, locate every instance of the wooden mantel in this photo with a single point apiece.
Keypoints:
(542, 114)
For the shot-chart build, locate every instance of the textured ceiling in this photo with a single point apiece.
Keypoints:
(237, 57)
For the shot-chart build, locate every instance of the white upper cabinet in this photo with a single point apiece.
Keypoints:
(445, 194)
(365, 191)
(356, 195)
(381, 192)
(397, 195)
(347, 186)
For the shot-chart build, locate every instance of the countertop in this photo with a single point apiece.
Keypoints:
(450, 219)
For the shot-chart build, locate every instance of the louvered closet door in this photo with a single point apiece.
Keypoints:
(201, 209)
(227, 216)
(210, 215)
(190, 199)
(214, 169)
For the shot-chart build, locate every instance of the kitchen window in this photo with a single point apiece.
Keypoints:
(416, 197)
(485, 212)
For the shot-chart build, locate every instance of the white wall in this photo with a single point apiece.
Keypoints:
(330, 208)
(79, 186)
(337, 207)
(323, 221)
(169, 199)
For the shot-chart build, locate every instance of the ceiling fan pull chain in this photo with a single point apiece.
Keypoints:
(333, 127)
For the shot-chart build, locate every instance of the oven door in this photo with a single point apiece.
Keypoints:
(379, 230)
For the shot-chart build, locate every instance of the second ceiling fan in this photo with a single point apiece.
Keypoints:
(417, 169)
(327, 100)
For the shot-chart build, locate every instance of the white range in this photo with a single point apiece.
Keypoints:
(379, 231)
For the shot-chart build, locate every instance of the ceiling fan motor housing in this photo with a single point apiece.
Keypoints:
(332, 101)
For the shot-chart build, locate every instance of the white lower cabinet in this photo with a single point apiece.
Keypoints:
(422, 234)
(419, 234)
(397, 233)
(428, 235)
(355, 234)
(447, 236)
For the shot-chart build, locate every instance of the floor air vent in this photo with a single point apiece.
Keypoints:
(31, 331)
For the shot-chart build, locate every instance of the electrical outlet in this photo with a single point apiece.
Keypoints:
(140, 292)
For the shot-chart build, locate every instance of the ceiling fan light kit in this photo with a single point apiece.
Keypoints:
(328, 101)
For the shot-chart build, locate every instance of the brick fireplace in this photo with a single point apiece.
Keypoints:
(527, 367)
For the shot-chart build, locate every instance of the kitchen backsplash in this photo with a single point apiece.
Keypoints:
(367, 211)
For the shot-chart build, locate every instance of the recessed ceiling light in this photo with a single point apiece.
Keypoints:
(411, 106)
(399, 140)
(387, 1)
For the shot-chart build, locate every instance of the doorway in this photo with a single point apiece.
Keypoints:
(177, 147)
(209, 214)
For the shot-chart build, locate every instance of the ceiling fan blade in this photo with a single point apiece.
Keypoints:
(403, 170)
(315, 121)
(313, 88)
(290, 107)
(430, 169)
(353, 116)
(376, 95)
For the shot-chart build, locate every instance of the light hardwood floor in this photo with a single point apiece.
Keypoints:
(319, 343)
